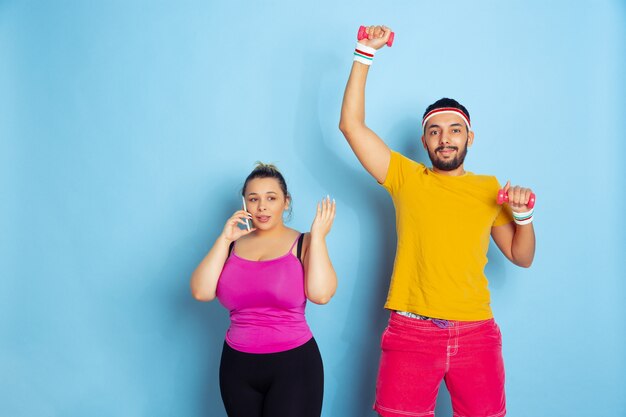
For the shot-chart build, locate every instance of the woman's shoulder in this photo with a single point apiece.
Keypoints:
(293, 232)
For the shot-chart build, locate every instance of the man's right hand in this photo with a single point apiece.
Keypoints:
(377, 36)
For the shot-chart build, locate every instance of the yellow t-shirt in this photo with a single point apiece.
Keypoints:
(443, 224)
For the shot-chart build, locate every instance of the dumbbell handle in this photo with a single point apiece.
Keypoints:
(363, 35)
(502, 197)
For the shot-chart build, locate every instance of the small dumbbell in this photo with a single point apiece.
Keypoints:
(502, 197)
(363, 35)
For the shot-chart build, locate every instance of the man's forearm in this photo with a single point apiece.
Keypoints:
(523, 245)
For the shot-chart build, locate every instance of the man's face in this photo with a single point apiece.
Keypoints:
(446, 139)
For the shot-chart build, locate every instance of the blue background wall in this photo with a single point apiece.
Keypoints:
(127, 128)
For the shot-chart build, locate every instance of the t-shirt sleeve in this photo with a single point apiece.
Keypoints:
(505, 214)
(399, 167)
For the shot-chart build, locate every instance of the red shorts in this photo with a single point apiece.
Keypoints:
(418, 354)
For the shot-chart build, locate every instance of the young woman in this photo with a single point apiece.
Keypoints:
(271, 365)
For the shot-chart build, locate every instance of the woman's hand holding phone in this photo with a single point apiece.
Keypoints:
(232, 231)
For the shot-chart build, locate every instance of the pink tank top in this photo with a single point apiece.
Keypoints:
(266, 300)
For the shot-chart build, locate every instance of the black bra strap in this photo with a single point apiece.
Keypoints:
(299, 249)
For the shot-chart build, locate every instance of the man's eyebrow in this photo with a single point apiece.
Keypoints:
(453, 124)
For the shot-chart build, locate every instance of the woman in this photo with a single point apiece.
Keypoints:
(271, 365)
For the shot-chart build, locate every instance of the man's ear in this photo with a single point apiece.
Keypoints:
(470, 138)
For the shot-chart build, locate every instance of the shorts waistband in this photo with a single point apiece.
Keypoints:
(441, 323)
(417, 320)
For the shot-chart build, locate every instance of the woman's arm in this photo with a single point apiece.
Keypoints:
(204, 278)
(320, 279)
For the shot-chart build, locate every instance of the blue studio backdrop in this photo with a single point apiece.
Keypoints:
(127, 128)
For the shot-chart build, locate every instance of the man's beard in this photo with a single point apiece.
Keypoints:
(450, 164)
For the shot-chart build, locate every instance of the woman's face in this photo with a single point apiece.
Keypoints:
(266, 202)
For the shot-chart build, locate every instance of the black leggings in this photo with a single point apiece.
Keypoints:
(282, 384)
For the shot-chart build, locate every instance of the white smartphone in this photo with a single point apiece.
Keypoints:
(243, 200)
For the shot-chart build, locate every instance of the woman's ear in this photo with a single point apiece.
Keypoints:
(287, 202)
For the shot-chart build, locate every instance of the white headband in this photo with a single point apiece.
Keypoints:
(443, 110)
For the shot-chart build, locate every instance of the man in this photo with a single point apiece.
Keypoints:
(441, 325)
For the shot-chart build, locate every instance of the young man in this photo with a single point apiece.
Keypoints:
(441, 324)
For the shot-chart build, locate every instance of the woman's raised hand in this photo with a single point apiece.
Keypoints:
(324, 217)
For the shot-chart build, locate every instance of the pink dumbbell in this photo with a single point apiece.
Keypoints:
(363, 35)
(502, 197)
